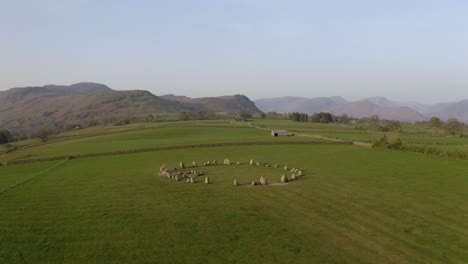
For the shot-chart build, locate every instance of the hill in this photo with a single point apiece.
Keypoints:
(381, 106)
(351, 204)
(457, 110)
(25, 109)
(290, 104)
(366, 108)
(228, 104)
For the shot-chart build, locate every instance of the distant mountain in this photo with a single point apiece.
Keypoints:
(366, 108)
(24, 109)
(174, 97)
(444, 111)
(227, 104)
(381, 106)
(382, 101)
(298, 104)
(457, 110)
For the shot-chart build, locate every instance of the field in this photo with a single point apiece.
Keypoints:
(354, 204)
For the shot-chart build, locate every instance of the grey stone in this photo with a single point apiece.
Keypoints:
(284, 179)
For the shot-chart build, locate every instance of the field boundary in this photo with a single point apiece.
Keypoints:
(2, 191)
(132, 151)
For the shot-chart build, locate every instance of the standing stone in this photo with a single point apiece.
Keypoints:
(238, 163)
(292, 170)
(263, 181)
(227, 162)
(284, 179)
(293, 177)
(214, 162)
(285, 167)
(163, 168)
(182, 165)
(188, 180)
(194, 164)
(258, 163)
(251, 162)
(299, 173)
(276, 165)
(253, 183)
(236, 183)
(192, 180)
(207, 180)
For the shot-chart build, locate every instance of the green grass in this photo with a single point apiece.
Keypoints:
(353, 205)
(147, 138)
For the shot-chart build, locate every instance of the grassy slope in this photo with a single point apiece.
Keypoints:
(355, 205)
(146, 138)
(412, 133)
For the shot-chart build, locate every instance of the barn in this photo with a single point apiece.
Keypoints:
(276, 133)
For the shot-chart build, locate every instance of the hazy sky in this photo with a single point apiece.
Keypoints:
(402, 49)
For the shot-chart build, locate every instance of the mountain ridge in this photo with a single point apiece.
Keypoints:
(382, 106)
(28, 108)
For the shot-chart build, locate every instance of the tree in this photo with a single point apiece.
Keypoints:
(435, 121)
(149, 118)
(44, 133)
(453, 126)
(183, 116)
(374, 122)
(322, 117)
(391, 125)
(244, 114)
(5, 137)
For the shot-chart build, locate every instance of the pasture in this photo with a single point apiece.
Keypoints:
(353, 204)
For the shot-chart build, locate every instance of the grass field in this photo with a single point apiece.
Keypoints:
(353, 205)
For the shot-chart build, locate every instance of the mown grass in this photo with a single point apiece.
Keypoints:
(354, 205)
(147, 138)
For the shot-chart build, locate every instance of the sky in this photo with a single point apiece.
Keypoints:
(407, 50)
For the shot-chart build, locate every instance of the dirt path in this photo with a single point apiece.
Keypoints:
(358, 143)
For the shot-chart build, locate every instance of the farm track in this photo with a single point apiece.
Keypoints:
(131, 151)
(334, 140)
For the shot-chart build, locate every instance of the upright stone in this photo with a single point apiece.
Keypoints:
(163, 168)
(192, 180)
(299, 173)
(194, 164)
(293, 177)
(284, 179)
(263, 181)
(238, 163)
(207, 180)
(214, 162)
(251, 162)
(285, 167)
(182, 165)
(253, 183)
(236, 183)
(227, 162)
